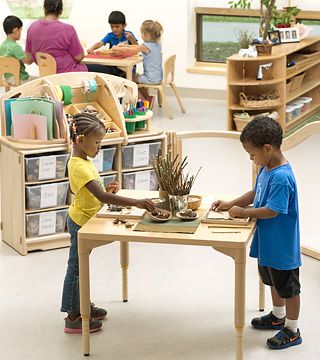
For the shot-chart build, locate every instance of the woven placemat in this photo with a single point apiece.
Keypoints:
(174, 225)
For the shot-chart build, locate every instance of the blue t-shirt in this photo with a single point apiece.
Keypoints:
(276, 242)
(152, 62)
(113, 39)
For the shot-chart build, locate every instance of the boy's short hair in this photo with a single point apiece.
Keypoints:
(262, 130)
(117, 17)
(11, 22)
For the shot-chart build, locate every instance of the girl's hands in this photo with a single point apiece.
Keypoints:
(145, 204)
(112, 187)
(220, 205)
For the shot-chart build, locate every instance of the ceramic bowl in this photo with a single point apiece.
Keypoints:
(186, 218)
(155, 218)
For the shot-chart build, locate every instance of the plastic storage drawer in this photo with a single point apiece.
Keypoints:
(108, 178)
(46, 223)
(46, 167)
(104, 160)
(140, 180)
(139, 155)
(47, 195)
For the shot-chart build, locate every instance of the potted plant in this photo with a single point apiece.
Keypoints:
(245, 38)
(267, 8)
(284, 18)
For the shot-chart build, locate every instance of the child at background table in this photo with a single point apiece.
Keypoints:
(151, 32)
(86, 133)
(12, 26)
(118, 35)
(276, 242)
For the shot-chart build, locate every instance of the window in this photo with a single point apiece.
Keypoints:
(217, 30)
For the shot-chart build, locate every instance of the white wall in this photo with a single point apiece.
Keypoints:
(177, 18)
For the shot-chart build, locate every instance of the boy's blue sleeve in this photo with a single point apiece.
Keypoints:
(107, 39)
(278, 198)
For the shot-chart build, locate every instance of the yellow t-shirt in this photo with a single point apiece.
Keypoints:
(85, 204)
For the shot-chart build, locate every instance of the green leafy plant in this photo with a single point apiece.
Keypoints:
(285, 16)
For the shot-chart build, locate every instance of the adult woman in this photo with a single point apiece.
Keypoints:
(56, 38)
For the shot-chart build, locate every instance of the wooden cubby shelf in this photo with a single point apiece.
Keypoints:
(242, 77)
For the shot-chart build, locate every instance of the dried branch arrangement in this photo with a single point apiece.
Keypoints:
(170, 176)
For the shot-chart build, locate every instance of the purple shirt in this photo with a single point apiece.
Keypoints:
(57, 39)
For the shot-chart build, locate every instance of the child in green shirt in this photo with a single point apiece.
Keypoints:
(12, 26)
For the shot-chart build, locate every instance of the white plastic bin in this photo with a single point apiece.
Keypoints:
(306, 101)
(289, 111)
(104, 160)
(108, 178)
(297, 109)
(46, 167)
(140, 180)
(47, 195)
(46, 223)
(139, 155)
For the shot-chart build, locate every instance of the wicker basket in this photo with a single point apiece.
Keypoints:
(264, 49)
(242, 119)
(288, 87)
(296, 82)
(259, 101)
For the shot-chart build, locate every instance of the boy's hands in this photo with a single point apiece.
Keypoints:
(236, 211)
(145, 204)
(130, 37)
(112, 187)
(220, 205)
(90, 50)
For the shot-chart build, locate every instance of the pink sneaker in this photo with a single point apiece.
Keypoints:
(75, 326)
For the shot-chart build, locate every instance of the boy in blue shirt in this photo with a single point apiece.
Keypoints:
(117, 22)
(276, 242)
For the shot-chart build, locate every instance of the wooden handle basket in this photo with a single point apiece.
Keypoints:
(259, 101)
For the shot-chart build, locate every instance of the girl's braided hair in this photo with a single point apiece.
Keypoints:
(83, 124)
(153, 28)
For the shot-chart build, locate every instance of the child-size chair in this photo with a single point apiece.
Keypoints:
(9, 65)
(47, 64)
(168, 71)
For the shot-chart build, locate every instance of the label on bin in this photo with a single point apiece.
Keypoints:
(49, 195)
(47, 223)
(141, 155)
(142, 180)
(47, 167)
(98, 161)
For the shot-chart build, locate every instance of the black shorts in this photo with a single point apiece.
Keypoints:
(286, 282)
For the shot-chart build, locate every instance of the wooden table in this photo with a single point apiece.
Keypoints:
(101, 231)
(125, 64)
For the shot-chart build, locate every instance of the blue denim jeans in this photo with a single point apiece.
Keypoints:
(70, 295)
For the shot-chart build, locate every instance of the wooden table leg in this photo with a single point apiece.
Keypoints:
(124, 262)
(129, 72)
(239, 302)
(239, 257)
(261, 295)
(84, 280)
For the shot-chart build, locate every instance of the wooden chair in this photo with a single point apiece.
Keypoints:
(47, 64)
(168, 79)
(9, 65)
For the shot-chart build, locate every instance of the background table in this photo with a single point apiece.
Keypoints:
(125, 64)
(101, 231)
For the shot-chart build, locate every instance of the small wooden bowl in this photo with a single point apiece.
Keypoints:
(155, 218)
(194, 202)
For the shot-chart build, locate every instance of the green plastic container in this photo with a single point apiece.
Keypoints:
(130, 127)
(141, 124)
(127, 116)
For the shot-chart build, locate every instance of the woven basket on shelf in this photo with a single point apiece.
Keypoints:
(242, 119)
(259, 101)
(296, 82)
(264, 49)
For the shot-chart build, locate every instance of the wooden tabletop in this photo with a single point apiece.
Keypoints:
(103, 229)
(129, 61)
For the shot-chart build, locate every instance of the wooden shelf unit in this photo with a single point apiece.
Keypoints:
(13, 154)
(242, 77)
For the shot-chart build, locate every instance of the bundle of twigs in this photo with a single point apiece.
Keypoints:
(170, 174)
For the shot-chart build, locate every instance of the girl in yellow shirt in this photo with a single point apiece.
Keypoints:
(86, 133)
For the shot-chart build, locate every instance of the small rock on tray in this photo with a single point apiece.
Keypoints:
(188, 213)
